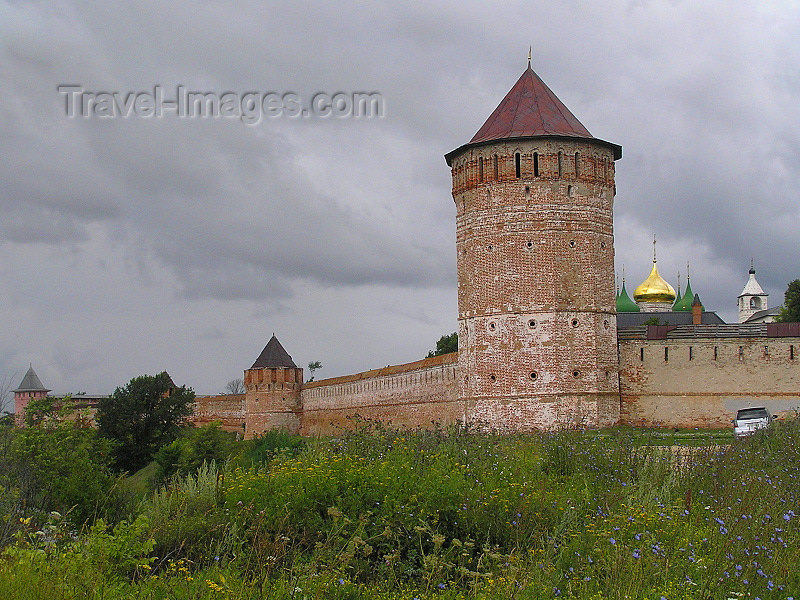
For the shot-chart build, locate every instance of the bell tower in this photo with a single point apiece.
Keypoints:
(753, 298)
(534, 194)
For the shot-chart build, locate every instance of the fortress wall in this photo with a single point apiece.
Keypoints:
(228, 408)
(703, 381)
(413, 395)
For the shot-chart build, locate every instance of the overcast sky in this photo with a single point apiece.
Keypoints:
(134, 245)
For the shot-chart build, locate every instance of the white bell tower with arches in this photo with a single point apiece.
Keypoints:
(753, 298)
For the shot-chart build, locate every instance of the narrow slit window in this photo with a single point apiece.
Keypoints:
(691, 355)
(666, 354)
(518, 165)
(535, 164)
(496, 168)
(480, 168)
(791, 351)
(641, 354)
(741, 352)
(715, 353)
(560, 163)
(577, 164)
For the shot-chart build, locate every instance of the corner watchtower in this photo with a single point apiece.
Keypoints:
(30, 388)
(534, 194)
(272, 391)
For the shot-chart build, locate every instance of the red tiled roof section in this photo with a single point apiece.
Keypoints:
(530, 109)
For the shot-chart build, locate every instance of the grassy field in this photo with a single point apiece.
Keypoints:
(382, 513)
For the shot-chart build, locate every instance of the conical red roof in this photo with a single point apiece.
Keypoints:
(530, 108)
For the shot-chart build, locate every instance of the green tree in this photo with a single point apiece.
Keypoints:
(445, 345)
(790, 311)
(654, 321)
(141, 417)
(313, 366)
(195, 446)
(55, 464)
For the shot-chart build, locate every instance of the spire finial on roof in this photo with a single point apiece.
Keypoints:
(530, 49)
(274, 356)
(31, 382)
(752, 268)
(654, 248)
(687, 271)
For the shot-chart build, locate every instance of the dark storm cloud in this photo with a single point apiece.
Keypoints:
(209, 198)
(216, 226)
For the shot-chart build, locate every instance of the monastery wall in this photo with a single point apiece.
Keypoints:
(670, 376)
(700, 376)
(227, 408)
(412, 395)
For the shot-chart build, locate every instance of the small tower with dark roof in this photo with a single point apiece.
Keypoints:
(272, 391)
(30, 388)
(534, 194)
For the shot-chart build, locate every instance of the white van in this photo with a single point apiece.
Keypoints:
(748, 420)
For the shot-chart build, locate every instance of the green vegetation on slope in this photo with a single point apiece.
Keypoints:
(383, 513)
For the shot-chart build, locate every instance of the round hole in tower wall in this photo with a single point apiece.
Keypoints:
(572, 243)
(493, 377)
(529, 244)
(575, 322)
(489, 248)
(492, 325)
(606, 324)
(576, 373)
(533, 375)
(532, 323)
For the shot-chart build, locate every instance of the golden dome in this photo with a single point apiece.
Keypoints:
(654, 289)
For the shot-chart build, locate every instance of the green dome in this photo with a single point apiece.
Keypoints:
(678, 298)
(684, 304)
(624, 302)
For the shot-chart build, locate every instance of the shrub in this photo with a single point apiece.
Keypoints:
(195, 446)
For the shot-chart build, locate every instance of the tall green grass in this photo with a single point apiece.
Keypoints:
(387, 513)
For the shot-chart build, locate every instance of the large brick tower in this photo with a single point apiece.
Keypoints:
(272, 391)
(534, 193)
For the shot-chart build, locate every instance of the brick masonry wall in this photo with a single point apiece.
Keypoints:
(413, 395)
(272, 399)
(656, 390)
(537, 323)
(722, 376)
(227, 408)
